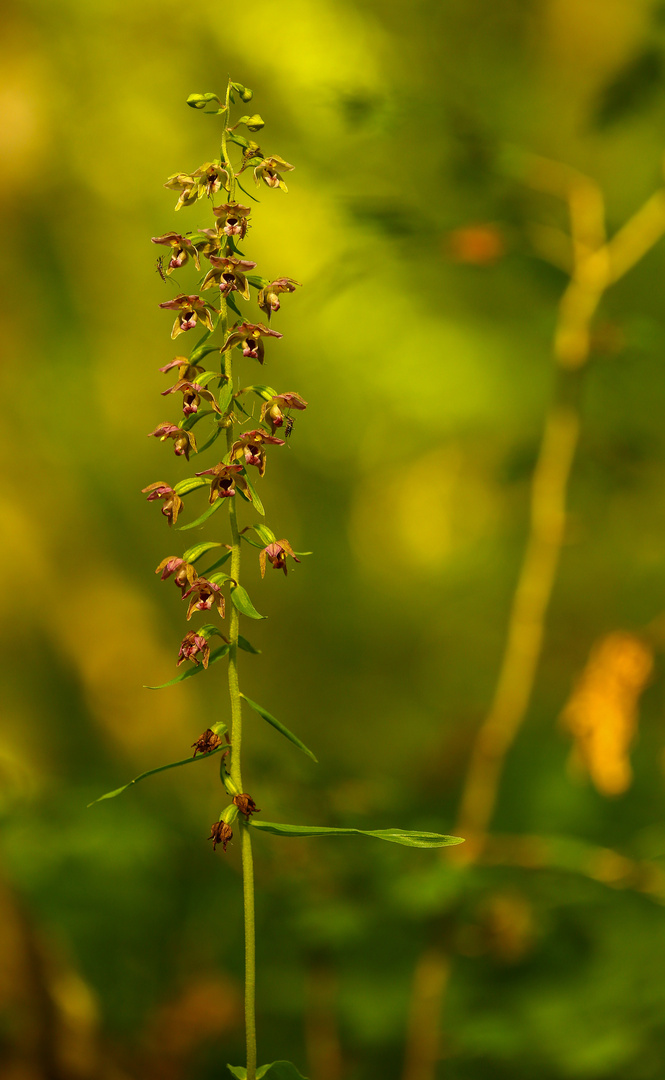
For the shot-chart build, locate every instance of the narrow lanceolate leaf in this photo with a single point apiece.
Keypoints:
(265, 392)
(203, 351)
(194, 553)
(151, 772)
(277, 1070)
(215, 655)
(270, 719)
(198, 351)
(220, 562)
(231, 302)
(258, 282)
(258, 505)
(240, 599)
(265, 534)
(243, 643)
(217, 431)
(202, 517)
(252, 541)
(225, 395)
(204, 378)
(200, 414)
(395, 836)
(191, 483)
(219, 579)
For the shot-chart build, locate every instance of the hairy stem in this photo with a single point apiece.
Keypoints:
(234, 692)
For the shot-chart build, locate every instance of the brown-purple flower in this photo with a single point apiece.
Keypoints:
(228, 273)
(225, 479)
(185, 574)
(181, 250)
(251, 447)
(271, 411)
(191, 309)
(268, 297)
(276, 554)
(232, 219)
(173, 504)
(191, 645)
(184, 442)
(249, 337)
(203, 595)
(191, 396)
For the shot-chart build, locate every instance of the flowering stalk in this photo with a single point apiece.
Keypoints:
(247, 449)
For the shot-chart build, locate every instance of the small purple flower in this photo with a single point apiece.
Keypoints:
(190, 646)
(250, 446)
(181, 249)
(249, 337)
(191, 309)
(184, 442)
(276, 553)
(173, 504)
(268, 297)
(203, 595)
(228, 273)
(185, 574)
(225, 479)
(271, 411)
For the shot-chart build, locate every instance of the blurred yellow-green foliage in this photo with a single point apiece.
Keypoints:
(422, 340)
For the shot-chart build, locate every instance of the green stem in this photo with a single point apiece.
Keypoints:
(236, 706)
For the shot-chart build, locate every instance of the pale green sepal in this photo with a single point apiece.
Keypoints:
(270, 719)
(151, 772)
(394, 836)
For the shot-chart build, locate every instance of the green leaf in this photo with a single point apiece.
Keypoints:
(215, 435)
(194, 418)
(219, 579)
(270, 719)
(220, 562)
(201, 352)
(192, 483)
(225, 395)
(208, 103)
(243, 643)
(151, 772)
(203, 517)
(240, 600)
(198, 351)
(194, 553)
(257, 281)
(206, 376)
(265, 534)
(394, 836)
(265, 392)
(256, 502)
(251, 540)
(239, 140)
(215, 655)
(232, 304)
(244, 190)
(277, 1070)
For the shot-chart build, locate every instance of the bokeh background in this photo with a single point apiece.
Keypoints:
(423, 341)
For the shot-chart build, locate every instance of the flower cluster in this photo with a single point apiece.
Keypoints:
(207, 395)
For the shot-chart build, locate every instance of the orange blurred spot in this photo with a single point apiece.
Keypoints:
(479, 245)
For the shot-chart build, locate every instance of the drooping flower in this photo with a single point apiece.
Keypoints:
(232, 219)
(191, 396)
(191, 645)
(185, 574)
(210, 178)
(173, 504)
(186, 369)
(267, 170)
(181, 249)
(228, 273)
(276, 553)
(268, 297)
(184, 442)
(271, 411)
(245, 804)
(225, 479)
(220, 833)
(249, 337)
(191, 309)
(207, 742)
(203, 595)
(186, 185)
(250, 447)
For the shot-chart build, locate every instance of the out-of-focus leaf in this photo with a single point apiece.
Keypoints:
(225, 395)
(232, 304)
(634, 87)
(270, 719)
(194, 418)
(277, 1070)
(198, 351)
(240, 600)
(243, 643)
(215, 655)
(405, 837)
(194, 553)
(152, 772)
(215, 435)
(220, 562)
(203, 517)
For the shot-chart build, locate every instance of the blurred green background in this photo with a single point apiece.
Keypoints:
(422, 341)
